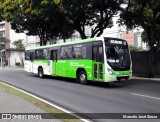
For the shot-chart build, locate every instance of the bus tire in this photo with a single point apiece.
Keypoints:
(82, 77)
(40, 73)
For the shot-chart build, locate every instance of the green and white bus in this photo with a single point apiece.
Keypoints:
(95, 59)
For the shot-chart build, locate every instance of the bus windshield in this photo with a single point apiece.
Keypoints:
(118, 56)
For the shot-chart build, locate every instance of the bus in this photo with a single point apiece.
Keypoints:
(101, 59)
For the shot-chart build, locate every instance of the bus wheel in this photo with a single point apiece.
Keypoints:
(82, 77)
(40, 72)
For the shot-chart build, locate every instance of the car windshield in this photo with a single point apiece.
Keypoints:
(118, 56)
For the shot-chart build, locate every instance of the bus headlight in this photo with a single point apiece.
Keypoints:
(110, 72)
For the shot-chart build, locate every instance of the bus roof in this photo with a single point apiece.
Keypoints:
(73, 42)
(63, 44)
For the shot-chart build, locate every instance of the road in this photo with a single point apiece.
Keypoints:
(134, 96)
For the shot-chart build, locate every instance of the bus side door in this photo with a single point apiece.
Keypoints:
(98, 64)
(54, 61)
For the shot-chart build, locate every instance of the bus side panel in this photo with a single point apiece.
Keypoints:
(68, 68)
(28, 65)
(61, 67)
(44, 64)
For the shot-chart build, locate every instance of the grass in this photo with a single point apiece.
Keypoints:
(47, 108)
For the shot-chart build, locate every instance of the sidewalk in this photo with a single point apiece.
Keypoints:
(12, 68)
(13, 104)
(155, 79)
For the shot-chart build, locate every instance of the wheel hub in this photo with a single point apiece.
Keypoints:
(82, 77)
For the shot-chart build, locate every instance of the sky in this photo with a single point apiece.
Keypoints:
(114, 30)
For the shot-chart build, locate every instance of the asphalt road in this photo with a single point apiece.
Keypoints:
(134, 96)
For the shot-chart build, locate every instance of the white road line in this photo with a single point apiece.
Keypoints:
(22, 75)
(49, 103)
(141, 95)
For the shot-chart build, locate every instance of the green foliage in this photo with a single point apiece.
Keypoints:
(134, 49)
(50, 19)
(19, 45)
(42, 18)
(3, 41)
(18, 63)
(144, 13)
(99, 13)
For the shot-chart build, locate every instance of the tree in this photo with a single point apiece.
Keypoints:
(95, 13)
(19, 48)
(4, 50)
(134, 49)
(144, 13)
(42, 18)
(51, 19)
(107, 9)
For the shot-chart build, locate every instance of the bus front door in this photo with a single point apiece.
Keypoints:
(98, 59)
(54, 61)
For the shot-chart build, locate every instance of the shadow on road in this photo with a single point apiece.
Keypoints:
(117, 84)
(111, 85)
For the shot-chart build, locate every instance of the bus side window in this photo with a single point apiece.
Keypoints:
(66, 52)
(95, 54)
(52, 55)
(45, 54)
(38, 54)
(89, 52)
(32, 56)
(27, 55)
(62, 52)
(101, 54)
(98, 55)
(79, 51)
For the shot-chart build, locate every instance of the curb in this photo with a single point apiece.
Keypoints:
(155, 79)
(12, 68)
(49, 103)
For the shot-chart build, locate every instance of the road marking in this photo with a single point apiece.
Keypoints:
(22, 75)
(141, 95)
(49, 103)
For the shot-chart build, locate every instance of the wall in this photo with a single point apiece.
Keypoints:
(13, 36)
(140, 64)
(14, 58)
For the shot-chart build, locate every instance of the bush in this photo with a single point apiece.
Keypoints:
(18, 63)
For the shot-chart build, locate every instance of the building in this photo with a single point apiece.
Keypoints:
(129, 36)
(134, 39)
(8, 55)
(5, 45)
(138, 41)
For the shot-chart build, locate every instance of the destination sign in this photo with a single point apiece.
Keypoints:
(115, 41)
(118, 42)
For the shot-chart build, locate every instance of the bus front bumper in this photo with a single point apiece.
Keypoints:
(112, 78)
